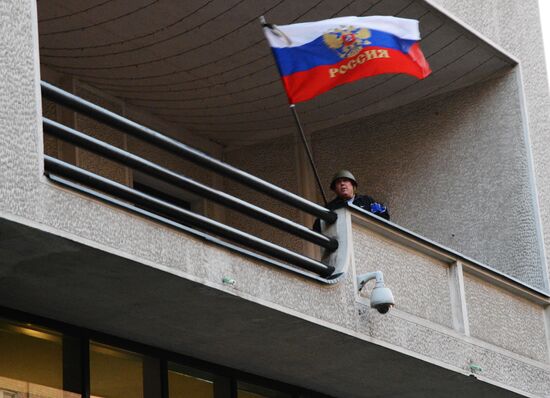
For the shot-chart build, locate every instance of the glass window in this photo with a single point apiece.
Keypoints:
(184, 382)
(246, 390)
(115, 373)
(31, 362)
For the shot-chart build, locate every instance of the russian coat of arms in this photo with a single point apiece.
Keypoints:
(348, 41)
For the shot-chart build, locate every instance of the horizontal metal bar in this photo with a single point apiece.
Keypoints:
(128, 159)
(155, 138)
(196, 220)
(257, 256)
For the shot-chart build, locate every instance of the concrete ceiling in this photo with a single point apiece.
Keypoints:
(205, 66)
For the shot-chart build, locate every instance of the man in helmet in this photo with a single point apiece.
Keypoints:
(344, 185)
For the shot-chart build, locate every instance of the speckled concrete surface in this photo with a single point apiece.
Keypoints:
(19, 141)
(515, 26)
(28, 196)
(420, 283)
(505, 320)
(450, 349)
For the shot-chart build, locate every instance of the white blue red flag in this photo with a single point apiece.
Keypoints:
(314, 57)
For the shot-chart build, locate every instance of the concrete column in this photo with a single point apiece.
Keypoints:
(67, 152)
(214, 210)
(547, 329)
(152, 378)
(224, 387)
(458, 299)
(20, 106)
(307, 189)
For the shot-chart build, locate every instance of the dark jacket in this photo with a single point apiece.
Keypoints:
(363, 201)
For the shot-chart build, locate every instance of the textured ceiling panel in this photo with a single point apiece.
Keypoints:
(205, 65)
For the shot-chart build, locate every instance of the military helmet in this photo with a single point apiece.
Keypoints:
(343, 174)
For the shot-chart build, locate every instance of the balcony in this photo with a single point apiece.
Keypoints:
(94, 233)
(451, 150)
(130, 270)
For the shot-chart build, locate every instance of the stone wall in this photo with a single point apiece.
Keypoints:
(453, 169)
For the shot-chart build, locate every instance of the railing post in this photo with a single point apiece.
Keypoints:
(546, 314)
(458, 299)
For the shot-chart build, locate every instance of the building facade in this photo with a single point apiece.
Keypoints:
(136, 265)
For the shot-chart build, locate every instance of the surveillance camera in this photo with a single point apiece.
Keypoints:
(381, 297)
(383, 308)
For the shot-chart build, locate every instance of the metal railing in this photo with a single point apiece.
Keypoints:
(77, 138)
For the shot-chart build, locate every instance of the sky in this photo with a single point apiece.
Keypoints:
(544, 6)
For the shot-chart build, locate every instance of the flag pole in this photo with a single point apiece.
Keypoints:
(308, 151)
(277, 32)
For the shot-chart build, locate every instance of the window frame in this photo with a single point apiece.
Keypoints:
(225, 379)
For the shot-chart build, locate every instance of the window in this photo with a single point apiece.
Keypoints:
(184, 382)
(115, 373)
(37, 362)
(31, 362)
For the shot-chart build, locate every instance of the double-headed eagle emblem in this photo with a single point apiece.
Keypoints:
(347, 41)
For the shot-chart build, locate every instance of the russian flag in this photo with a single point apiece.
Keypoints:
(314, 57)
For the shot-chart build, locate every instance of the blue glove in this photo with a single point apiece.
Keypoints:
(377, 208)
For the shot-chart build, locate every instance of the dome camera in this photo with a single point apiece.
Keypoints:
(381, 297)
